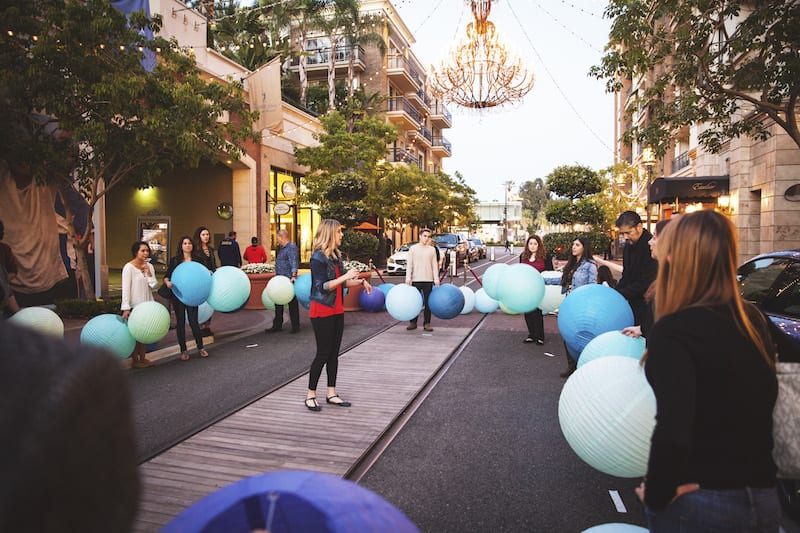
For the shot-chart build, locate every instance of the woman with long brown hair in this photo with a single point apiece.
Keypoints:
(534, 254)
(710, 362)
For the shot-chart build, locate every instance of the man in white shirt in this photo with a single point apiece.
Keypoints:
(422, 272)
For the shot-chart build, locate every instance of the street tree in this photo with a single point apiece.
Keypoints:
(363, 30)
(576, 187)
(79, 111)
(732, 65)
(534, 197)
(250, 36)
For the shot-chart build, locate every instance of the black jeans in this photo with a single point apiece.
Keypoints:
(294, 315)
(426, 287)
(181, 311)
(328, 333)
(535, 322)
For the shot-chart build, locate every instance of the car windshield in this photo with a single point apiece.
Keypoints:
(447, 238)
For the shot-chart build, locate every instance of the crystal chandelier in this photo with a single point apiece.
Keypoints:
(480, 72)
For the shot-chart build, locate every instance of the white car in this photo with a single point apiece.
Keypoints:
(397, 261)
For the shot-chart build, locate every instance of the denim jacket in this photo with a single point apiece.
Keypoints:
(323, 269)
(585, 274)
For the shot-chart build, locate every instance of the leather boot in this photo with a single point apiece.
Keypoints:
(571, 366)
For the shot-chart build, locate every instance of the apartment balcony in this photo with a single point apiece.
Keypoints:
(423, 135)
(317, 60)
(440, 116)
(403, 75)
(682, 161)
(420, 100)
(400, 112)
(441, 146)
(401, 155)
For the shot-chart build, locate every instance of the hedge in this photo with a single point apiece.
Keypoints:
(552, 241)
(77, 308)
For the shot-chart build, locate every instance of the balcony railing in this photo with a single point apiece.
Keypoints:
(680, 162)
(441, 109)
(424, 97)
(401, 63)
(400, 103)
(441, 141)
(425, 132)
(320, 56)
(401, 155)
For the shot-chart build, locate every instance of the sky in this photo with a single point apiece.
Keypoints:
(566, 119)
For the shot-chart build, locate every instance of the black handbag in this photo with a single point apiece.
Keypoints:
(164, 291)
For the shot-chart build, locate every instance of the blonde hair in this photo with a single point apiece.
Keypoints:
(697, 267)
(325, 238)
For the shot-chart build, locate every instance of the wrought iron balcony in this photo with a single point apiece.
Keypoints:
(400, 103)
(443, 142)
(401, 155)
(680, 162)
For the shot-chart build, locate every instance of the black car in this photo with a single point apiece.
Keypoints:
(448, 242)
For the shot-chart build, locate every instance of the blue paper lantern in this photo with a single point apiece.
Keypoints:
(39, 319)
(607, 414)
(373, 302)
(302, 289)
(552, 277)
(589, 311)
(287, 501)
(191, 283)
(148, 322)
(386, 287)
(491, 279)
(230, 288)
(469, 300)
(109, 332)
(204, 313)
(521, 289)
(265, 299)
(485, 303)
(612, 343)
(446, 301)
(616, 527)
(281, 290)
(404, 302)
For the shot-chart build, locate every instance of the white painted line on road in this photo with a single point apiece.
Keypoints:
(618, 503)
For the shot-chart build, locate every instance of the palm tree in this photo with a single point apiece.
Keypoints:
(357, 34)
(333, 22)
(302, 16)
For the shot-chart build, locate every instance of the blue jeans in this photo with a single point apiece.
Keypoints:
(747, 510)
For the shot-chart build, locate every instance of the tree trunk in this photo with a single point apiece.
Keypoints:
(351, 71)
(81, 246)
(332, 75)
(303, 78)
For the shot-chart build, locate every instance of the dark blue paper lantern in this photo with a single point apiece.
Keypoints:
(446, 301)
(372, 302)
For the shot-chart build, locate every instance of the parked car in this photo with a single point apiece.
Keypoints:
(481, 247)
(473, 252)
(448, 242)
(397, 262)
(772, 282)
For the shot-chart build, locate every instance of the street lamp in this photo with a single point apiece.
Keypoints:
(649, 161)
(506, 189)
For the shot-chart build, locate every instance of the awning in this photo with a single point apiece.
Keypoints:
(366, 226)
(691, 189)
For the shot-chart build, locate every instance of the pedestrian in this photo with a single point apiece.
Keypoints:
(580, 270)
(204, 253)
(710, 362)
(255, 253)
(229, 252)
(328, 278)
(605, 277)
(508, 245)
(535, 255)
(138, 282)
(422, 272)
(638, 267)
(286, 264)
(8, 272)
(185, 253)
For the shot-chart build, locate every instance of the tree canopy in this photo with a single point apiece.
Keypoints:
(577, 187)
(726, 63)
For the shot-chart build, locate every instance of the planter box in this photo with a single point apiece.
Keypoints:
(258, 283)
(350, 300)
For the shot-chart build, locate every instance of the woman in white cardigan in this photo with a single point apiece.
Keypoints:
(138, 282)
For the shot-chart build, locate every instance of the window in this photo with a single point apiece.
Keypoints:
(756, 277)
(786, 294)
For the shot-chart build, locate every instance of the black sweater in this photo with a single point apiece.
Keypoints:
(714, 394)
(639, 269)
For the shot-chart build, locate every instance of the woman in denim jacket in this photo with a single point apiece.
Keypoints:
(327, 311)
(580, 270)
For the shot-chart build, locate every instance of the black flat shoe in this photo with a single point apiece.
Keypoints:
(272, 330)
(312, 404)
(340, 403)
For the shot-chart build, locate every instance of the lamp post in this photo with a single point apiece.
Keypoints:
(506, 189)
(649, 161)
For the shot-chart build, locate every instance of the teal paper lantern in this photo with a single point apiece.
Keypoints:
(607, 414)
(386, 287)
(404, 302)
(552, 298)
(491, 279)
(302, 289)
(469, 300)
(148, 322)
(504, 308)
(39, 319)
(589, 311)
(616, 527)
(446, 301)
(612, 343)
(191, 283)
(485, 303)
(230, 288)
(110, 333)
(281, 290)
(204, 313)
(265, 299)
(521, 289)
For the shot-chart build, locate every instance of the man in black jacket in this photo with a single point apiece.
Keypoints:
(639, 269)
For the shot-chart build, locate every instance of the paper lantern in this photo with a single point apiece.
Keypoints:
(230, 288)
(302, 289)
(109, 332)
(281, 290)
(265, 299)
(589, 311)
(148, 322)
(39, 319)
(286, 501)
(552, 298)
(373, 302)
(485, 303)
(607, 413)
(446, 301)
(191, 283)
(616, 527)
(612, 343)
(469, 300)
(491, 279)
(521, 288)
(386, 287)
(551, 277)
(504, 308)
(404, 302)
(204, 313)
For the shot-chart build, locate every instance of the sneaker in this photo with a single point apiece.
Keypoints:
(528, 339)
(427, 327)
(411, 326)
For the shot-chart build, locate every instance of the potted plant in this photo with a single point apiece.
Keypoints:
(350, 300)
(259, 275)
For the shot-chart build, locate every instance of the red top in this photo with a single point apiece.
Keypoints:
(318, 310)
(255, 254)
(538, 264)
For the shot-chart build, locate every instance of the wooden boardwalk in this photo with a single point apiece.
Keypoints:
(380, 377)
